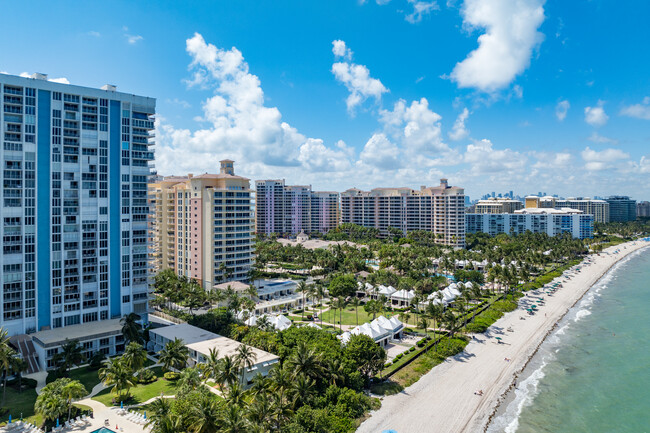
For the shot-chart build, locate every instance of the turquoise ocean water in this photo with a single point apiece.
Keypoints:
(592, 374)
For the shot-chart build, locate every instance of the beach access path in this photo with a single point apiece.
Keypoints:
(444, 399)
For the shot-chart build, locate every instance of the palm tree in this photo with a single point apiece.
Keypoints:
(190, 379)
(335, 371)
(228, 372)
(134, 356)
(281, 380)
(302, 389)
(131, 329)
(18, 366)
(424, 323)
(211, 365)
(174, 355)
(340, 304)
(71, 391)
(245, 357)
(50, 405)
(260, 412)
(204, 416)
(115, 372)
(320, 292)
(404, 317)
(304, 360)
(7, 355)
(169, 423)
(263, 323)
(355, 302)
(233, 421)
(71, 354)
(302, 288)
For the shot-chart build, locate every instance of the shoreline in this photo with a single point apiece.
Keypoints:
(452, 407)
(504, 396)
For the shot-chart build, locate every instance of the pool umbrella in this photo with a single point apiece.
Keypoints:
(121, 405)
(145, 414)
(389, 431)
(57, 422)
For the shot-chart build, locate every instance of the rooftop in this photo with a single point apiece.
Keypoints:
(78, 332)
(536, 210)
(237, 286)
(228, 347)
(186, 332)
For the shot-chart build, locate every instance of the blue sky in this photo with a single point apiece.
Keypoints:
(496, 95)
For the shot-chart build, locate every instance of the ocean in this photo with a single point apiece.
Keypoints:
(592, 374)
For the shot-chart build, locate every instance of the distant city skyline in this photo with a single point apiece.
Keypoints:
(370, 93)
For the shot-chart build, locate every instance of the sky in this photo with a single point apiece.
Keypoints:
(495, 95)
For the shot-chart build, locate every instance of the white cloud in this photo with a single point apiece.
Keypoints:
(131, 39)
(94, 34)
(180, 102)
(640, 111)
(505, 48)
(315, 156)
(420, 9)
(459, 131)
(551, 161)
(596, 116)
(356, 79)
(600, 160)
(484, 159)
(597, 138)
(561, 110)
(380, 152)
(341, 50)
(644, 165)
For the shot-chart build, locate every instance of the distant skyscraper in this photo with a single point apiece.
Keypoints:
(643, 209)
(621, 208)
(74, 212)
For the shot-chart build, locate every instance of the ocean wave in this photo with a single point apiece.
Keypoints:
(524, 394)
(580, 314)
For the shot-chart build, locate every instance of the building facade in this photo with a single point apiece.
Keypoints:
(536, 220)
(598, 208)
(74, 210)
(643, 209)
(203, 226)
(498, 205)
(291, 209)
(621, 208)
(440, 210)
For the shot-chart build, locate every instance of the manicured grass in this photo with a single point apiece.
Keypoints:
(411, 373)
(87, 376)
(349, 317)
(140, 393)
(17, 403)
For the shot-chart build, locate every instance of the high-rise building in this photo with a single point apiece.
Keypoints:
(204, 226)
(598, 208)
(643, 209)
(536, 220)
(74, 211)
(621, 208)
(498, 205)
(291, 209)
(440, 210)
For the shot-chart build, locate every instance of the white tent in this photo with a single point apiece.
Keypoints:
(386, 291)
(278, 322)
(404, 296)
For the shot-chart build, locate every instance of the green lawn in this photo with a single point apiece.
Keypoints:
(141, 393)
(87, 376)
(19, 402)
(349, 316)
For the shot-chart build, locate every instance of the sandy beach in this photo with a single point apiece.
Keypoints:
(444, 399)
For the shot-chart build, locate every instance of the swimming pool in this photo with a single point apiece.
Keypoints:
(102, 430)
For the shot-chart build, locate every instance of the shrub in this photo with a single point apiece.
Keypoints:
(171, 375)
(399, 356)
(145, 376)
(412, 349)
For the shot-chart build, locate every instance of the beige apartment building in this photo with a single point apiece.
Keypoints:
(498, 205)
(439, 209)
(598, 208)
(204, 225)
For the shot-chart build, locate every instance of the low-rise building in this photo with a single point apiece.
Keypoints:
(104, 337)
(498, 205)
(381, 330)
(199, 342)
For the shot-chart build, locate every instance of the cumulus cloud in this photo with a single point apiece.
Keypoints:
(507, 45)
(459, 131)
(356, 78)
(239, 124)
(341, 50)
(639, 111)
(485, 159)
(596, 116)
(551, 161)
(420, 10)
(600, 160)
(644, 165)
(94, 34)
(561, 110)
(380, 152)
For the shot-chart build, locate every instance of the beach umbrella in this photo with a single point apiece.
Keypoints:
(499, 338)
(145, 414)
(9, 418)
(57, 422)
(122, 405)
(389, 431)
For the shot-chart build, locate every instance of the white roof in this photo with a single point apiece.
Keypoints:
(403, 295)
(386, 291)
(278, 322)
(313, 325)
(469, 285)
(227, 346)
(345, 337)
(378, 329)
(186, 332)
